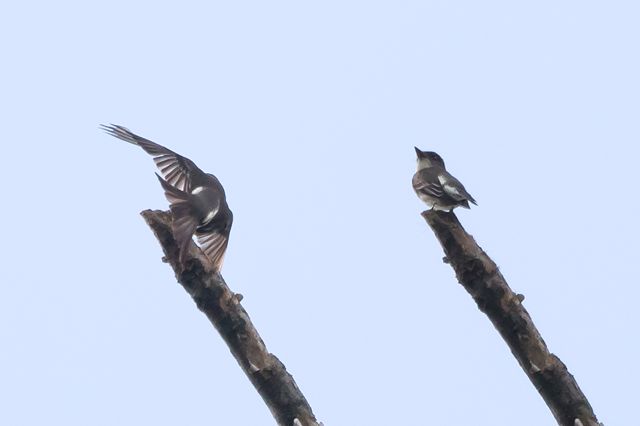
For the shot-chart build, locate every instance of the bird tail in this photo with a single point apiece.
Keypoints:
(184, 221)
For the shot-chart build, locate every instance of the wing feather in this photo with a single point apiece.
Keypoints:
(424, 182)
(454, 188)
(176, 169)
(214, 245)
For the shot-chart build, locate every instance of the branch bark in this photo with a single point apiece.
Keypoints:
(482, 279)
(212, 296)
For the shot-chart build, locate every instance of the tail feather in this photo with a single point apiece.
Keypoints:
(183, 226)
(184, 222)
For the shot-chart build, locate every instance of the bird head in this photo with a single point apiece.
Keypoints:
(428, 159)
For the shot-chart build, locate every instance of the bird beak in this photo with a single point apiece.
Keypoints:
(418, 152)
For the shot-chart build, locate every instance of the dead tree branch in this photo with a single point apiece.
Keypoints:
(482, 279)
(212, 296)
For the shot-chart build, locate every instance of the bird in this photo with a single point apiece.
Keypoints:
(436, 186)
(197, 199)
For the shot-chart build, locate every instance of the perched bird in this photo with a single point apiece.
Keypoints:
(435, 185)
(197, 199)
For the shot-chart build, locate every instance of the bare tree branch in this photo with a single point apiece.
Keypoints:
(212, 296)
(482, 279)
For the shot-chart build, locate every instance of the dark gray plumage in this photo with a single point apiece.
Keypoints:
(197, 199)
(437, 187)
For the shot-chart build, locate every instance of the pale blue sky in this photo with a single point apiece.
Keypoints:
(308, 113)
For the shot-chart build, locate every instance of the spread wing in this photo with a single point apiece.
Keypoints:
(214, 245)
(176, 169)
